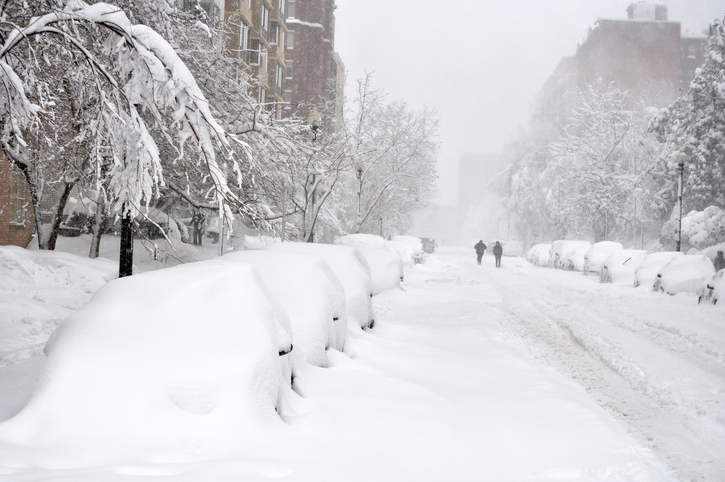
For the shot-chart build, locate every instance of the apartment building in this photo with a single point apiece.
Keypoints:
(315, 75)
(16, 208)
(645, 54)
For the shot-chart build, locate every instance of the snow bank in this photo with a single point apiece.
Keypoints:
(352, 271)
(684, 274)
(619, 266)
(170, 366)
(311, 294)
(560, 249)
(646, 272)
(539, 254)
(595, 256)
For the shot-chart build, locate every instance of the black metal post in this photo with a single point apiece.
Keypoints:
(125, 264)
(679, 201)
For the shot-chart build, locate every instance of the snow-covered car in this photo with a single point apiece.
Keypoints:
(511, 248)
(539, 254)
(351, 269)
(158, 365)
(410, 249)
(312, 296)
(647, 270)
(597, 253)
(386, 267)
(619, 266)
(713, 289)
(574, 259)
(560, 249)
(684, 274)
(429, 245)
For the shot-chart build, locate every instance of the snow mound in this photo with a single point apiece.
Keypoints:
(175, 365)
(684, 274)
(386, 266)
(409, 248)
(351, 269)
(312, 295)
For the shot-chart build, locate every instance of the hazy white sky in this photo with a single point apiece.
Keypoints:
(479, 63)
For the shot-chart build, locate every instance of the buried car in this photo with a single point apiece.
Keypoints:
(684, 274)
(561, 248)
(539, 254)
(595, 256)
(647, 270)
(312, 295)
(619, 266)
(713, 289)
(351, 269)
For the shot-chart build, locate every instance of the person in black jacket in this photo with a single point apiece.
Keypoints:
(719, 261)
(498, 252)
(480, 248)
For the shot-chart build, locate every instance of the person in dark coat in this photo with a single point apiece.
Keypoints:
(480, 248)
(198, 222)
(719, 261)
(498, 252)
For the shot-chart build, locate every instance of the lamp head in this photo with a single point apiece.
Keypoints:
(681, 158)
(359, 167)
(314, 119)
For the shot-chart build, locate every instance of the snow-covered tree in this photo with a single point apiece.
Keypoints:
(695, 123)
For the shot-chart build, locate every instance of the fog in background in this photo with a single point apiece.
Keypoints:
(480, 64)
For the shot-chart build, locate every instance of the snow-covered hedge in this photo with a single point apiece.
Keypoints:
(700, 229)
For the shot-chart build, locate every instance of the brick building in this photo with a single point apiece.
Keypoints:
(315, 74)
(16, 207)
(644, 54)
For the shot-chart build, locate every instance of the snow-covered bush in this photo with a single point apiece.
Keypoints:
(700, 229)
(168, 365)
(311, 294)
(619, 266)
(712, 290)
(353, 272)
(646, 272)
(560, 249)
(539, 254)
(684, 274)
(598, 252)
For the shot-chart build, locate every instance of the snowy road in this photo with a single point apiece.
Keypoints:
(656, 363)
(474, 374)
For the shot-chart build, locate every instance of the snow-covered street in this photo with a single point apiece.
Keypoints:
(473, 373)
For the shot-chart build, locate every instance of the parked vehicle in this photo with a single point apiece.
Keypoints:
(684, 274)
(713, 289)
(561, 248)
(646, 272)
(619, 266)
(597, 253)
(429, 245)
(539, 254)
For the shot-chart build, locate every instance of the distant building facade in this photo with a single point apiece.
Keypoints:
(16, 207)
(315, 73)
(644, 54)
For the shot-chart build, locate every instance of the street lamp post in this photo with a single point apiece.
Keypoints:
(125, 262)
(681, 160)
(359, 167)
(314, 119)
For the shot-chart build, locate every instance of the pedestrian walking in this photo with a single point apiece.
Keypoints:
(198, 221)
(480, 249)
(719, 261)
(498, 252)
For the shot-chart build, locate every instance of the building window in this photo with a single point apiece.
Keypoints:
(254, 52)
(290, 39)
(282, 8)
(287, 99)
(262, 95)
(290, 68)
(265, 23)
(274, 33)
(280, 79)
(18, 205)
(243, 38)
(291, 10)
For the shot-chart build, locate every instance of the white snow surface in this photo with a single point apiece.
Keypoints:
(351, 269)
(312, 296)
(473, 373)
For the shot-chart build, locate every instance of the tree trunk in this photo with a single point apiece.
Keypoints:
(57, 217)
(98, 222)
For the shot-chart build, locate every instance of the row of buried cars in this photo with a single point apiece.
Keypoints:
(178, 362)
(665, 271)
